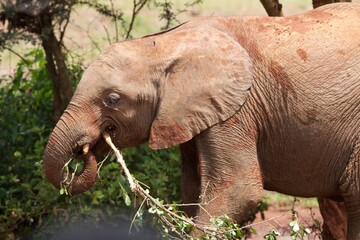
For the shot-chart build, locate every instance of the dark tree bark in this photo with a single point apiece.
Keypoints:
(40, 17)
(56, 67)
(50, 66)
(62, 80)
(273, 8)
(318, 3)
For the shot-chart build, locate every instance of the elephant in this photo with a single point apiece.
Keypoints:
(254, 103)
(335, 219)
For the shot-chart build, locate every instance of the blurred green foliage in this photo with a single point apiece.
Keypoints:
(29, 205)
(24, 119)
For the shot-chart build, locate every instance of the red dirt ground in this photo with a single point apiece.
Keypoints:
(279, 219)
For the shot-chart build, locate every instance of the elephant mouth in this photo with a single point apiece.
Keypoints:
(84, 154)
(97, 146)
(74, 169)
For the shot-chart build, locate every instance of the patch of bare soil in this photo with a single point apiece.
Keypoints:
(280, 218)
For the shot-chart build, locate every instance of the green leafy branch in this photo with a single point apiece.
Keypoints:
(176, 222)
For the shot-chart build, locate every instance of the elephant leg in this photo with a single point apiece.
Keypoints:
(190, 178)
(350, 188)
(230, 178)
(335, 219)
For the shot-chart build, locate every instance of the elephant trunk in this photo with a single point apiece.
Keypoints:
(62, 144)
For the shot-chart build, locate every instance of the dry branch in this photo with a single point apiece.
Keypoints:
(179, 224)
(273, 8)
(319, 3)
(170, 218)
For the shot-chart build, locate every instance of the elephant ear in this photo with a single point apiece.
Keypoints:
(206, 81)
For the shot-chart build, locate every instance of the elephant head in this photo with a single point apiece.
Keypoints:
(164, 88)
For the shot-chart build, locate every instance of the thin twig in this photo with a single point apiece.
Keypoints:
(204, 193)
(137, 189)
(107, 34)
(133, 220)
(115, 22)
(87, 31)
(62, 32)
(100, 164)
(167, 217)
(17, 54)
(265, 221)
(137, 6)
(181, 204)
(277, 222)
(141, 183)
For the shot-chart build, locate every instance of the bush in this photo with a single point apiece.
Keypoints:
(29, 205)
(25, 124)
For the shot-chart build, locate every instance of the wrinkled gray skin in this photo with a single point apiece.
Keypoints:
(254, 102)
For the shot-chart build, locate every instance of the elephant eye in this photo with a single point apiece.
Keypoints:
(112, 99)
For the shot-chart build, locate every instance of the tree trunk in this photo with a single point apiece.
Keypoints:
(58, 72)
(50, 67)
(37, 17)
(318, 3)
(273, 8)
(65, 85)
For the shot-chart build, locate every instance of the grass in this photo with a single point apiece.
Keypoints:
(279, 200)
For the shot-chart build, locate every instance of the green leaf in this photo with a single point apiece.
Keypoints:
(239, 233)
(124, 195)
(152, 210)
(127, 200)
(294, 226)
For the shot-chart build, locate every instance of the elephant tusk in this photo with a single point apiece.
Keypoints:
(86, 148)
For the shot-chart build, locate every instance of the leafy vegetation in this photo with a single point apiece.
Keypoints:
(29, 205)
